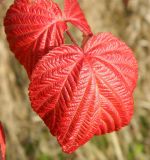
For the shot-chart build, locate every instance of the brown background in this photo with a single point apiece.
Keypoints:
(27, 136)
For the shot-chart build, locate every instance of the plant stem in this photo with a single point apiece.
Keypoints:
(71, 37)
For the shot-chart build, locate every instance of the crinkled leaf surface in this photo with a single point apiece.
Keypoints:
(2, 143)
(74, 14)
(80, 93)
(33, 27)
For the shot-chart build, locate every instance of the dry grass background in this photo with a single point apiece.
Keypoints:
(27, 136)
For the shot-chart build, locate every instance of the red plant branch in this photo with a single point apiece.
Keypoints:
(71, 37)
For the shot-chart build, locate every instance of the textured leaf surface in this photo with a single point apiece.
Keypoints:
(74, 14)
(33, 27)
(2, 143)
(80, 93)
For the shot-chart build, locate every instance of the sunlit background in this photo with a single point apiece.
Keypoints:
(26, 135)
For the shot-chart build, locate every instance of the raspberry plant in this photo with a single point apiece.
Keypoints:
(77, 91)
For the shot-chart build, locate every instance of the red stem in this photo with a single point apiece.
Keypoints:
(71, 37)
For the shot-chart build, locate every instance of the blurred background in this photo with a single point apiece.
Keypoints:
(29, 139)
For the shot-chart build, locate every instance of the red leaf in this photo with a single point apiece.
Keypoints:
(32, 28)
(82, 92)
(74, 14)
(2, 143)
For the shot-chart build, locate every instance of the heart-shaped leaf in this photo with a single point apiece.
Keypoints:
(2, 143)
(82, 92)
(33, 27)
(74, 14)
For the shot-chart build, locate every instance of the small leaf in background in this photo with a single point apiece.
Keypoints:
(82, 92)
(32, 28)
(2, 143)
(75, 15)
